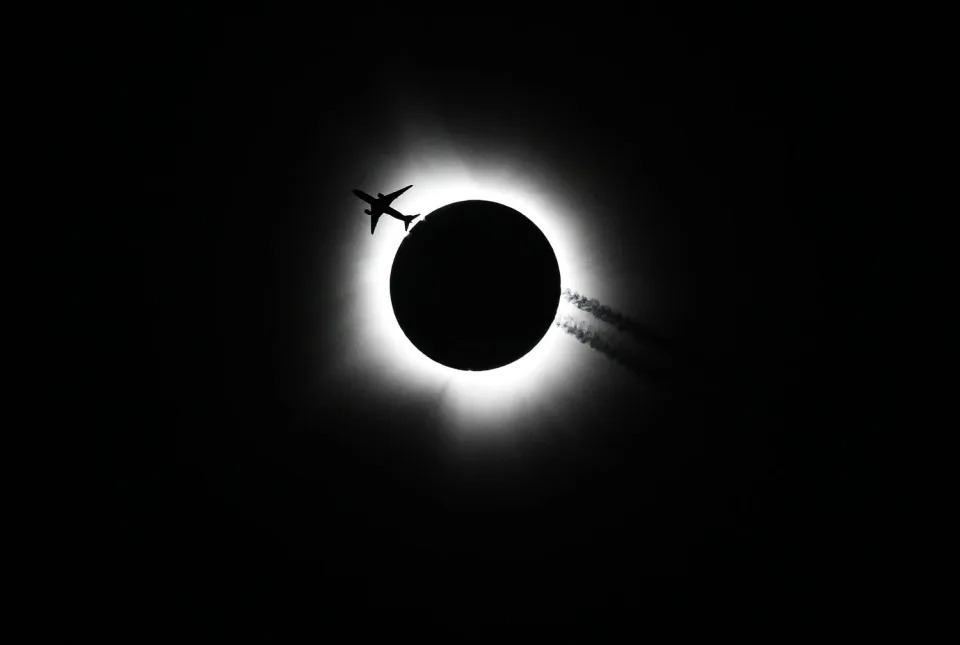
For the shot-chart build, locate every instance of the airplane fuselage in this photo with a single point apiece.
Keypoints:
(377, 207)
(365, 197)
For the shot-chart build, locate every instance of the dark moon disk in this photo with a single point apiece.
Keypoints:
(475, 285)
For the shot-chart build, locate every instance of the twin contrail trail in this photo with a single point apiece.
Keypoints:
(609, 345)
(615, 318)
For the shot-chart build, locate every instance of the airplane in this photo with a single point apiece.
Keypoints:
(381, 204)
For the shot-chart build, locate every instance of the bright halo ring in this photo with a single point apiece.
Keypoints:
(468, 400)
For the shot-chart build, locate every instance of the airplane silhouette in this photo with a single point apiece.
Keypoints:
(381, 204)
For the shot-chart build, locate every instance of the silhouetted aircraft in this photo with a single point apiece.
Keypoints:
(381, 204)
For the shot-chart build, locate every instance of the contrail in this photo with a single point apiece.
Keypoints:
(597, 341)
(615, 318)
(586, 335)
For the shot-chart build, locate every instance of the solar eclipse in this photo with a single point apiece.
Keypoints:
(462, 250)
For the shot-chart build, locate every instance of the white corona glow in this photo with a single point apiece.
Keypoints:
(468, 401)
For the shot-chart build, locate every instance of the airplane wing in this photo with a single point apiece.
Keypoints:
(373, 222)
(392, 196)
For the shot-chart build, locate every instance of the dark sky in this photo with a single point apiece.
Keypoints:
(243, 496)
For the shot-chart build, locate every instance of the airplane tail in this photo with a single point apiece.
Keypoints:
(407, 219)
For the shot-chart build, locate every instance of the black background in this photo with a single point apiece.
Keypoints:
(757, 504)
